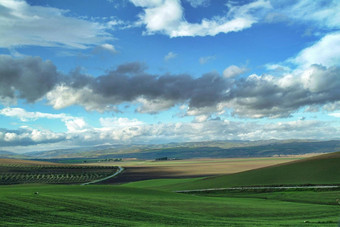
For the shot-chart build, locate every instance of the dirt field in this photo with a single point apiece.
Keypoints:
(144, 170)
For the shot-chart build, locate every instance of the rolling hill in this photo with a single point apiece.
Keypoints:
(318, 170)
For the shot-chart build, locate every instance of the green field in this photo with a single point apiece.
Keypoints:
(105, 205)
(154, 203)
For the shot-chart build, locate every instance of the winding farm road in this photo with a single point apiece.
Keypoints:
(254, 188)
(120, 169)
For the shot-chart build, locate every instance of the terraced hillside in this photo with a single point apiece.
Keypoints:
(23, 172)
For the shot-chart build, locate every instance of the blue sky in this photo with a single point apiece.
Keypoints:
(81, 73)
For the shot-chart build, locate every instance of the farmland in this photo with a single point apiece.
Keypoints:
(136, 170)
(318, 170)
(19, 172)
(153, 202)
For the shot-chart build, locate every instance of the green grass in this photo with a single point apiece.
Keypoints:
(323, 169)
(104, 205)
(159, 183)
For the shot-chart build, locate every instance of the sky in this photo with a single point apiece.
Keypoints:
(86, 73)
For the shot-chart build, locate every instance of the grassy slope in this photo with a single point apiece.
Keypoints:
(106, 205)
(323, 169)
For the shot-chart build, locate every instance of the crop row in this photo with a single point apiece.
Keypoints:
(53, 175)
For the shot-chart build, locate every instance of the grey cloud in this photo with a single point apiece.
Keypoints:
(28, 78)
(130, 82)
(254, 96)
(260, 97)
(203, 91)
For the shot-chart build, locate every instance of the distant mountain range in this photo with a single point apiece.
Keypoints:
(207, 149)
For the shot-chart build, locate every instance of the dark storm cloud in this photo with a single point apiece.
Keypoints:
(255, 96)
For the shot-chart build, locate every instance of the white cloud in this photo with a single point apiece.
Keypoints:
(27, 137)
(73, 124)
(123, 130)
(119, 129)
(134, 131)
(325, 52)
(167, 17)
(336, 114)
(22, 24)
(23, 115)
(233, 71)
(169, 56)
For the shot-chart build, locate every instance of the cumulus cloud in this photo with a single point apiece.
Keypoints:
(254, 96)
(22, 24)
(260, 96)
(130, 83)
(167, 17)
